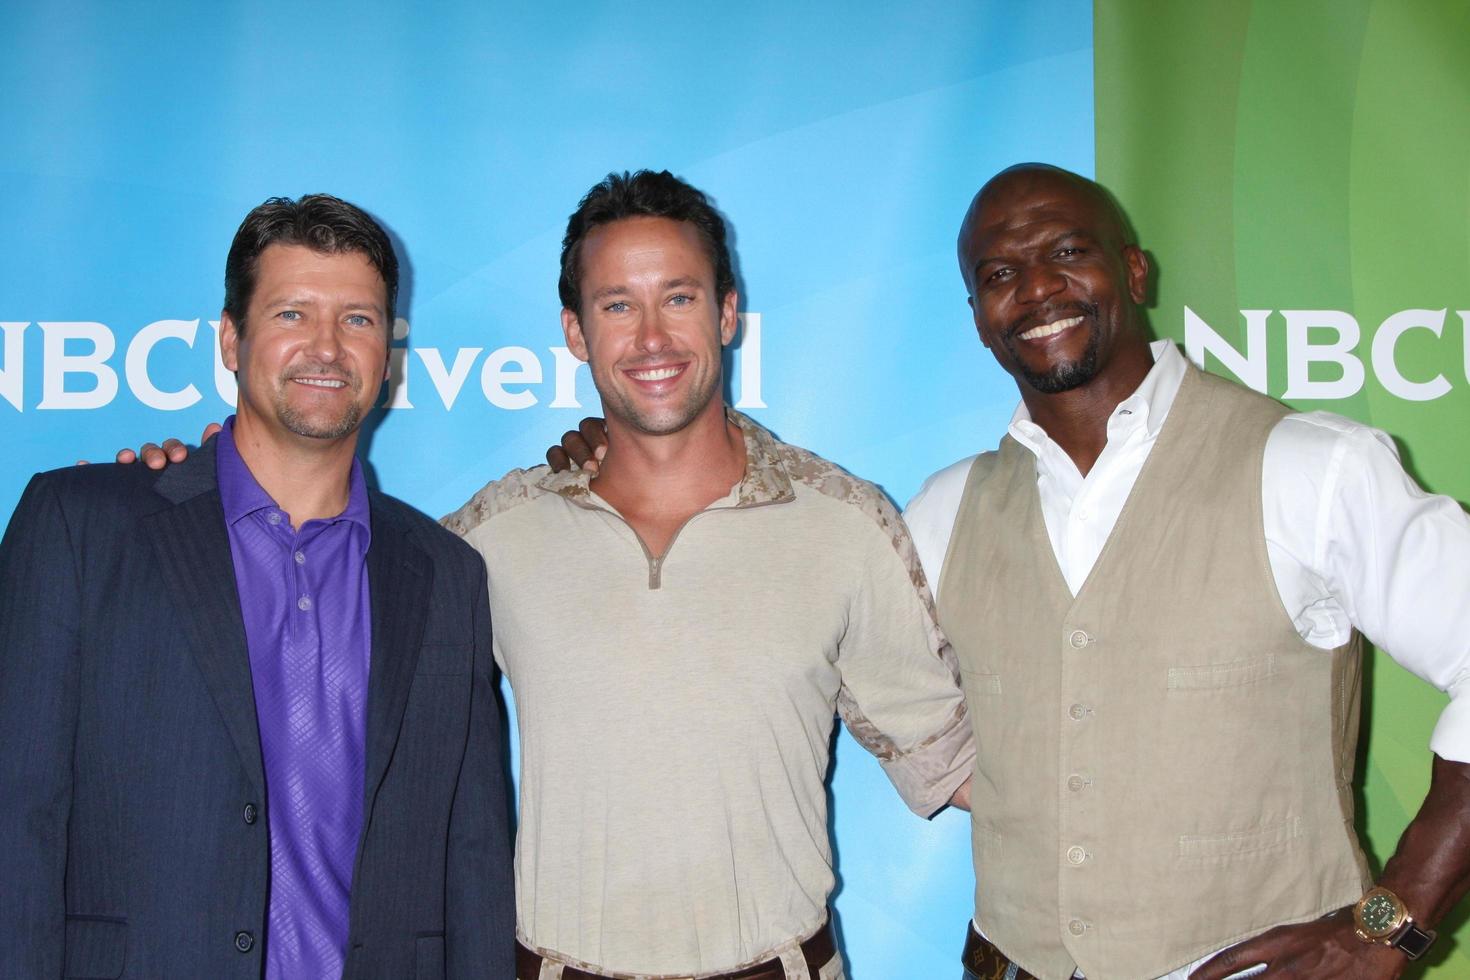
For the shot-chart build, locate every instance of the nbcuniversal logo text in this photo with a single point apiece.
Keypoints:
(1305, 346)
(79, 369)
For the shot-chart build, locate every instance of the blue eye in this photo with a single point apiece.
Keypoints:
(358, 320)
(681, 299)
(618, 307)
(289, 315)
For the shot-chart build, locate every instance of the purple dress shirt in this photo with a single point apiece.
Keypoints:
(304, 599)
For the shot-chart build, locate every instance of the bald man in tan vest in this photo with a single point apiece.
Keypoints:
(1156, 588)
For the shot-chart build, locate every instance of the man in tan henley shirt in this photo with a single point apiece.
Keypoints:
(679, 628)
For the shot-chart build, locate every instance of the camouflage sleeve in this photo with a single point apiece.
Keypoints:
(516, 487)
(900, 695)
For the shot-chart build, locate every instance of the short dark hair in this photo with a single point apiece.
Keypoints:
(322, 223)
(643, 193)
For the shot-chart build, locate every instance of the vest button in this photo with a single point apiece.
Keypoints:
(1076, 855)
(1078, 639)
(1076, 927)
(1077, 712)
(244, 942)
(249, 813)
(1075, 783)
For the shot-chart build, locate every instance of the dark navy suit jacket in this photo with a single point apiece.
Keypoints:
(133, 837)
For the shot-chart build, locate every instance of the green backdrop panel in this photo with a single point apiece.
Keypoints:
(1311, 155)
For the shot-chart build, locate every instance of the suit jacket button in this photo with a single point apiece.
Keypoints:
(250, 813)
(244, 942)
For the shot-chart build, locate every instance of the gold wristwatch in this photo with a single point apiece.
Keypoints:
(1380, 917)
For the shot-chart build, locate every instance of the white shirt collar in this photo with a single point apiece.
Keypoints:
(1149, 405)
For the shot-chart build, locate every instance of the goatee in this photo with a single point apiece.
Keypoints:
(1065, 376)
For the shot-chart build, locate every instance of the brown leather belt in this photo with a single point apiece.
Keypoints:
(818, 951)
(984, 961)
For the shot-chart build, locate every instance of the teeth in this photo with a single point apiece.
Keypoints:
(657, 374)
(320, 382)
(1048, 329)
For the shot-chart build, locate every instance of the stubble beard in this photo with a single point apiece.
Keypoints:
(620, 405)
(313, 427)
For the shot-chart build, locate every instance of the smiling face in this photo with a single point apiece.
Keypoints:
(651, 327)
(1054, 284)
(313, 351)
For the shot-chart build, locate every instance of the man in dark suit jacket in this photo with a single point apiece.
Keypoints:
(248, 723)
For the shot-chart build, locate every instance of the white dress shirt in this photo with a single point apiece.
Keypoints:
(1353, 541)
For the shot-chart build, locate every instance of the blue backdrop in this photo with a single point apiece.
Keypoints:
(843, 141)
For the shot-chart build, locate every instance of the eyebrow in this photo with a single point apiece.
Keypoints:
(681, 282)
(607, 291)
(289, 301)
(1082, 233)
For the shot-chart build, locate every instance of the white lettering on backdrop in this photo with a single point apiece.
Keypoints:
(77, 370)
(1328, 337)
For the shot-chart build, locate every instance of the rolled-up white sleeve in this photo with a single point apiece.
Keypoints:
(1395, 558)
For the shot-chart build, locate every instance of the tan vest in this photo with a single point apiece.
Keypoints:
(1165, 766)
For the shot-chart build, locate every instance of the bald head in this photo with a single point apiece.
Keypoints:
(1010, 194)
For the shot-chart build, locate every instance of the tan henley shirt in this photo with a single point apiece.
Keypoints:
(675, 713)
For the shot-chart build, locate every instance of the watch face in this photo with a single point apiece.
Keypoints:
(1380, 915)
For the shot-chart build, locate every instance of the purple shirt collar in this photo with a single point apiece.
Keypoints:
(241, 495)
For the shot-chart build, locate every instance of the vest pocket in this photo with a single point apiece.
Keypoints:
(979, 684)
(1262, 842)
(428, 957)
(1234, 673)
(96, 947)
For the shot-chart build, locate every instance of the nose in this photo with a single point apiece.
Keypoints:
(652, 336)
(323, 342)
(1039, 283)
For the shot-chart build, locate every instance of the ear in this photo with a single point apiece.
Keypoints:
(975, 316)
(729, 319)
(1137, 260)
(229, 342)
(571, 328)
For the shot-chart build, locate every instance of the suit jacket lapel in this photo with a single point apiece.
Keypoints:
(193, 550)
(400, 577)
